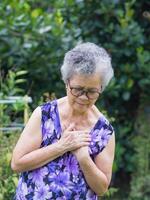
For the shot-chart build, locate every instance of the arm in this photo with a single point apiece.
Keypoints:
(98, 173)
(28, 155)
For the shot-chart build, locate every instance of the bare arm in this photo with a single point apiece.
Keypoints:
(98, 173)
(28, 155)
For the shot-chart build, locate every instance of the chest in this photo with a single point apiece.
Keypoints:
(68, 115)
(79, 124)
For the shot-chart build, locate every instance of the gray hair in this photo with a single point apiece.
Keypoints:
(87, 59)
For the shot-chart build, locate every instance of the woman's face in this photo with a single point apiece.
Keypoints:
(83, 91)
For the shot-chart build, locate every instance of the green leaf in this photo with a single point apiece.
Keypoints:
(126, 96)
(44, 29)
(15, 180)
(130, 83)
(36, 12)
(20, 81)
(22, 72)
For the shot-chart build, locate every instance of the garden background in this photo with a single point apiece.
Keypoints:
(34, 36)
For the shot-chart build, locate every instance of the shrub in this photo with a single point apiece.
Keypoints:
(8, 179)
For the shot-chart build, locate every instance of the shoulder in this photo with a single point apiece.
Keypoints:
(36, 113)
(103, 121)
(62, 106)
(102, 134)
(52, 103)
(62, 101)
(99, 114)
(47, 104)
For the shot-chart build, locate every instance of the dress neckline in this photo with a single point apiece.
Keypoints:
(59, 120)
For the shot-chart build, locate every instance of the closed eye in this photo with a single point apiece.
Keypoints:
(93, 90)
(77, 89)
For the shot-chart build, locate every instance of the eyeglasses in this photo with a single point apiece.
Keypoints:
(79, 91)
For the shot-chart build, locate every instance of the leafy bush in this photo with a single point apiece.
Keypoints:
(8, 179)
(35, 35)
(10, 86)
(140, 183)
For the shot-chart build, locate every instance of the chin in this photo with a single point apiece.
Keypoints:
(81, 107)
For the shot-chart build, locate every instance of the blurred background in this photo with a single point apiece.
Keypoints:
(34, 36)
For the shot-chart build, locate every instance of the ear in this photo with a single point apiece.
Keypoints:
(67, 85)
(101, 89)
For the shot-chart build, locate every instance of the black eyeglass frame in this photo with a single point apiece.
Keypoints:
(83, 91)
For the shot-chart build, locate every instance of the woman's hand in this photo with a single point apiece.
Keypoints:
(81, 153)
(72, 140)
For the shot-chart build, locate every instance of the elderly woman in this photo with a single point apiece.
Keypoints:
(66, 150)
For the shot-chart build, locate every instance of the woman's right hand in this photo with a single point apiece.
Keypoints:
(73, 139)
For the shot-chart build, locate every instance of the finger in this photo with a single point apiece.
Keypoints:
(86, 139)
(82, 144)
(79, 132)
(84, 135)
(83, 131)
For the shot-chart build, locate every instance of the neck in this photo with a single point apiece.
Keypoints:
(75, 114)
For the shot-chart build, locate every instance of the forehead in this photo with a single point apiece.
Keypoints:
(91, 81)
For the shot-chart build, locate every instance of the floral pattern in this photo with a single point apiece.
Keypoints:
(62, 178)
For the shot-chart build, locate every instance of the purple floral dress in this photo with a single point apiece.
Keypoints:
(62, 178)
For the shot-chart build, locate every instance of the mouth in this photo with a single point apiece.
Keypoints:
(83, 104)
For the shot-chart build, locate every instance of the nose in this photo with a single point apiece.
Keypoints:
(83, 96)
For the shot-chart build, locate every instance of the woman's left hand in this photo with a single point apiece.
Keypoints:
(81, 153)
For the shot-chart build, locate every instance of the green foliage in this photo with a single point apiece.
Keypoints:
(140, 183)
(8, 179)
(9, 116)
(34, 36)
(30, 39)
(11, 86)
(109, 194)
(140, 188)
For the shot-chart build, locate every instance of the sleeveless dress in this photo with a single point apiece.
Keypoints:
(62, 178)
